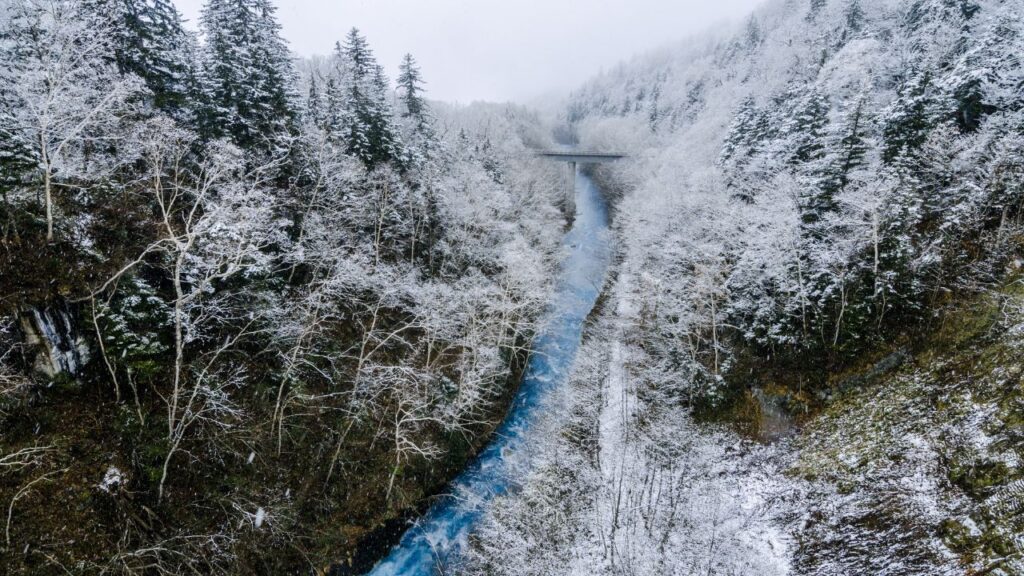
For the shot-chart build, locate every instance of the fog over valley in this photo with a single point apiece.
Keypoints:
(498, 50)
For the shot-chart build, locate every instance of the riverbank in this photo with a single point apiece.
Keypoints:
(264, 414)
(440, 535)
(626, 480)
(910, 463)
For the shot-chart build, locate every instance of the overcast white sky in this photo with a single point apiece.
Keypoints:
(498, 49)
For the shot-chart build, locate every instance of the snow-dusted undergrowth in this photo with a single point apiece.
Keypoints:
(629, 484)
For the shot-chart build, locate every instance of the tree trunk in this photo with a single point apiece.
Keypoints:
(47, 190)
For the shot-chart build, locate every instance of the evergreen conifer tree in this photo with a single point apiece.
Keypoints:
(848, 150)
(315, 103)
(334, 116)
(410, 86)
(150, 42)
(815, 9)
(419, 138)
(743, 131)
(854, 16)
(909, 118)
(247, 77)
(365, 122)
(844, 150)
(807, 128)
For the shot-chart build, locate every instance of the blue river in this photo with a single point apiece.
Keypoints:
(438, 537)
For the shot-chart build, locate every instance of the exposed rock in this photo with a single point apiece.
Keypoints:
(51, 331)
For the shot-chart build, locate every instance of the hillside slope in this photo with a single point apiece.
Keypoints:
(251, 317)
(820, 233)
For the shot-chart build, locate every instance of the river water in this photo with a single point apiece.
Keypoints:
(436, 539)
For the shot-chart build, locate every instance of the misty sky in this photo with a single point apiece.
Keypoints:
(498, 49)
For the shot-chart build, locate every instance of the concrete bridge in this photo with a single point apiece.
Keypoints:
(573, 158)
(580, 156)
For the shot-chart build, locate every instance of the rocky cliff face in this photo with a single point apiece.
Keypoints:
(52, 332)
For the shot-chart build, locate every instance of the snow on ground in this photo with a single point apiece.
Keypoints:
(629, 485)
(919, 473)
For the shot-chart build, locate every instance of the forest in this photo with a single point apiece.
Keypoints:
(258, 311)
(242, 292)
(809, 356)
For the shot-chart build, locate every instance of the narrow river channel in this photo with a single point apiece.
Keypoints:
(439, 536)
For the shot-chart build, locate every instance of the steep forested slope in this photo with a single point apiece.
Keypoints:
(819, 229)
(829, 171)
(250, 308)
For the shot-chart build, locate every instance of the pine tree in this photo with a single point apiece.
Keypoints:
(807, 128)
(247, 76)
(334, 116)
(150, 41)
(740, 156)
(746, 129)
(653, 113)
(419, 138)
(364, 121)
(924, 14)
(815, 9)
(753, 34)
(358, 54)
(410, 87)
(896, 281)
(909, 118)
(844, 150)
(970, 104)
(848, 152)
(938, 182)
(986, 77)
(314, 103)
(854, 16)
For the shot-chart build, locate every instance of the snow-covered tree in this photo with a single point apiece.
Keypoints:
(910, 117)
(247, 77)
(217, 222)
(150, 42)
(410, 86)
(64, 97)
(363, 111)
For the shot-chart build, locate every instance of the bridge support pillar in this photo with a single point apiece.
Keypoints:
(574, 158)
(570, 191)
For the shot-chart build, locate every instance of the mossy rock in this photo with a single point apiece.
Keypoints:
(957, 536)
(977, 478)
